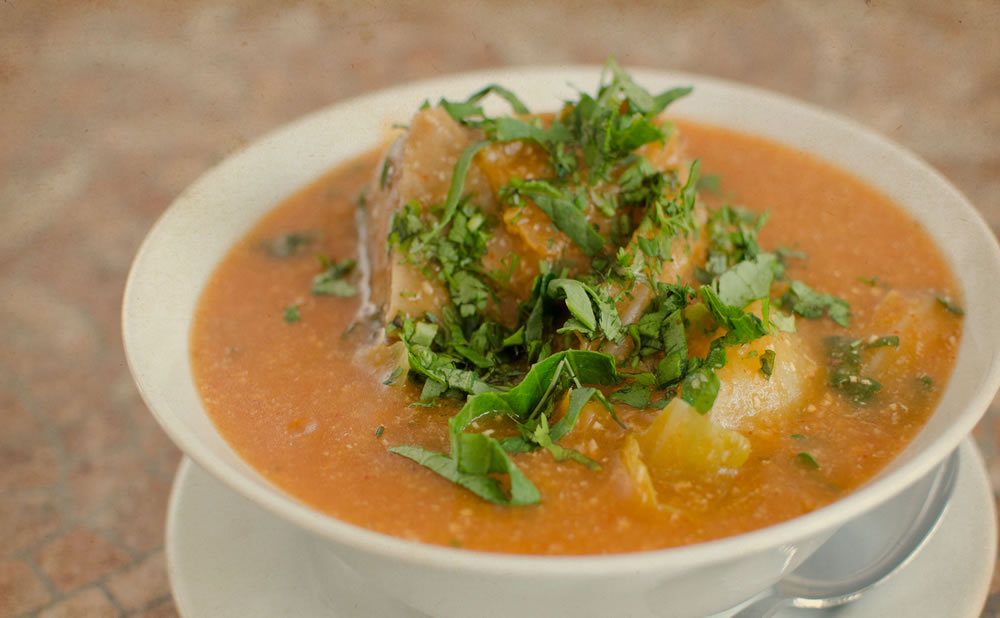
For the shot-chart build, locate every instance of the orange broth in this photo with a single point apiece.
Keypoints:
(303, 401)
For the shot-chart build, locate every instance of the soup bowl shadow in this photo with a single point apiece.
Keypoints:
(192, 236)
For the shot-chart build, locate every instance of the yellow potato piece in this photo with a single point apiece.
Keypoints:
(681, 441)
(749, 400)
(924, 327)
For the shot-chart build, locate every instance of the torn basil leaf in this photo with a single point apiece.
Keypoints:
(634, 395)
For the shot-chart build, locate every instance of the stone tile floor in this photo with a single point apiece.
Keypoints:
(109, 109)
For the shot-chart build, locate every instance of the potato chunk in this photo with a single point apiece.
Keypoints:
(748, 399)
(681, 441)
(417, 167)
(924, 326)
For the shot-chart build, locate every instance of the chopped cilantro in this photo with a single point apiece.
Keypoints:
(807, 461)
(811, 304)
(383, 177)
(521, 364)
(288, 244)
(767, 363)
(333, 279)
(950, 305)
(711, 183)
(389, 381)
(747, 281)
(844, 356)
(732, 234)
(292, 314)
(701, 387)
(581, 301)
(379, 430)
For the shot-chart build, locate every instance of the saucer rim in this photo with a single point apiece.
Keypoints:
(977, 574)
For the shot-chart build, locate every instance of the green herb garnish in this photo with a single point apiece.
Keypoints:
(389, 381)
(950, 305)
(767, 363)
(520, 365)
(809, 303)
(288, 244)
(474, 456)
(333, 279)
(807, 460)
(845, 365)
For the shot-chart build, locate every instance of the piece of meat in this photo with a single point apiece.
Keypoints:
(418, 166)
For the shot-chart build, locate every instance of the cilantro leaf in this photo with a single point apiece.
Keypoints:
(844, 359)
(950, 305)
(741, 326)
(287, 244)
(333, 279)
(391, 379)
(809, 303)
(581, 299)
(807, 460)
(784, 322)
(747, 281)
(767, 363)
(442, 369)
(577, 301)
(701, 387)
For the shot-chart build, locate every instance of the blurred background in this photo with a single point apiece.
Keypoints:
(108, 110)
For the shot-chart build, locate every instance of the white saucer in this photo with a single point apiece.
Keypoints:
(227, 557)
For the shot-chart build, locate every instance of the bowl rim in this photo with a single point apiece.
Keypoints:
(402, 550)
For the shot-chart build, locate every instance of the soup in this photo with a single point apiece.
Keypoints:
(345, 382)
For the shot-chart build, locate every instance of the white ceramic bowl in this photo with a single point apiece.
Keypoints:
(185, 245)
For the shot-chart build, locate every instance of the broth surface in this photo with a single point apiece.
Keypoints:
(303, 401)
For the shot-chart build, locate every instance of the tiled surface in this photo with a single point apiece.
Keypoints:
(108, 110)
